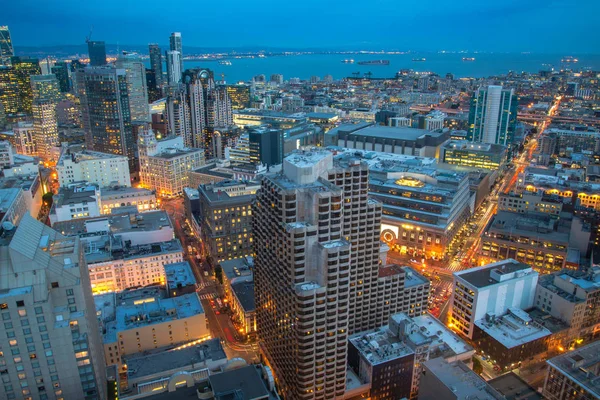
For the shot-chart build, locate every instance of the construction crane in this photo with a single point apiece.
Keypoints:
(356, 74)
(89, 36)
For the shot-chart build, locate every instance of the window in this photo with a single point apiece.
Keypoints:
(69, 292)
(54, 285)
(22, 313)
(20, 303)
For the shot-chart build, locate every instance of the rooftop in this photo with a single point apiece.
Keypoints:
(240, 384)
(111, 247)
(75, 195)
(237, 267)
(86, 155)
(244, 292)
(514, 388)
(475, 147)
(179, 274)
(426, 330)
(528, 225)
(379, 345)
(142, 310)
(513, 329)
(460, 379)
(581, 366)
(166, 359)
(397, 133)
(124, 190)
(494, 273)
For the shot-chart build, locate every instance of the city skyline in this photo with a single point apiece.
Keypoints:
(426, 26)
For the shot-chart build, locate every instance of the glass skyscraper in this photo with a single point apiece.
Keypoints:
(156, 63)
(23, 68)
(136, 86)
(175, 45)
(6, 47)
(493, 115)
(61, 70)
(97, 52)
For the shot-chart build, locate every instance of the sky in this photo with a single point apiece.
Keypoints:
(538, 26)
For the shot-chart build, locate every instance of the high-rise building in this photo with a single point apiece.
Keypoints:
(105, 110)
(277, 78)
(266, 146)
(175, 45)
(318, 273)
(46, 94)
(6, 47)
(219, 113)
(9, 90)
(173, 67)
(239, 95)
(136, 86)
(154, 91)
(493, 115)
(156, 63)
(61, 70)
(97, 52)
(55, 345)
(23, 68)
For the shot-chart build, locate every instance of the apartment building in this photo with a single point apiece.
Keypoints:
(94, 167)
(75, 203)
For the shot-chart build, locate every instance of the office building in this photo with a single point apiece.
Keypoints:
(309, 255)
(61, 71)
(238, 285)
(102, 169)
(138, 321)
(174, 70)
(574, 141)
(45, 87)
(46, 94)
(156, 65)
(117, 197)
(106, 112)
(510, 339)
(74, 203)
(265, 146)
(164, 164)
(453, 380)
(114, 266)
(574, 375)
(97, 53)
(543, 240)
(137, 88)
(6, 46)
(491, 289)
(474, 155)
(6, 154)
(180, 279)
(277, 79)
(493, 116)
(53, 348)
(429, 338)
(572, 297)
(240, 96)
(175, 45)
(381, 359)
(513, 387)
(23, 69)
(13, 203)
(225, 217)
(433, 121)
(9, 90)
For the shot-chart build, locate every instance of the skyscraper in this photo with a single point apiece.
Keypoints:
(55, 346)
(105, 111)
(23, 68)
(61, 70)
(266, 146)
(9, 90)
(318, 275)
(97, 52)
(156, 64)
(493, 115)
(219, 113)
(136, 86)
(6, 47)
(173, 67)
(46, 94)
(175, 45)
(240, 96)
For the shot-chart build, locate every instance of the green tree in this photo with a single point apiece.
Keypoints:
(477, 367)
(219, 274)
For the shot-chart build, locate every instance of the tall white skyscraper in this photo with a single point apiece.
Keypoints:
(175, 45)
(46, 94)
(174, 67)
(493, 115)
(136, 86)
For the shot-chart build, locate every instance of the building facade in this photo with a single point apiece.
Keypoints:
(102, 169)
(137, 88)
(493, 116)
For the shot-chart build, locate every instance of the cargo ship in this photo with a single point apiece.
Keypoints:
(225, 62)
(419, 59)
(374, 62)
(348, 61)
(468, 58)
(569, 59)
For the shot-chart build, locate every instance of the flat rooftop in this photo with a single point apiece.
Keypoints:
(459, 378)
(179, 274)
(146, 311)
(397, 133)
(110, 248)
(516, 224)
(427, 330)
(68, 196)
(124, 191)
(86, 155)
(237, 267)
(512, 387)
(413, 278)
(379, 345)
(244, 292)
(240, 384)
(513, 329)
(495, 273)
(177, 357)
(581, 366)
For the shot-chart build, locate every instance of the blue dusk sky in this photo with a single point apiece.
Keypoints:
(561, 26)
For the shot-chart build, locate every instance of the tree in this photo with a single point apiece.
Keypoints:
(219, 274)
(477, 367)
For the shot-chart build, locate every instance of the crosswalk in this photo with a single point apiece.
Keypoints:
(207, 296)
